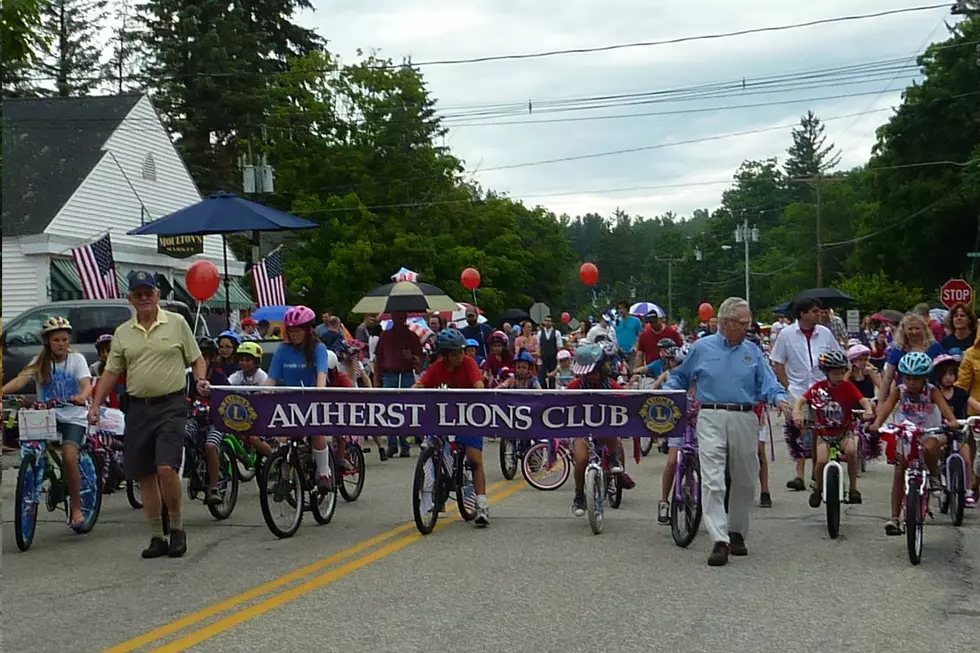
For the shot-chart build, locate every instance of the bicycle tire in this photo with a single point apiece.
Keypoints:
(355, 456)
(690, 489)
(832, 492)
(426, 458)
(957, 491)
(646, 446)
(273, 467)
(593, 498)
(228, 478)
(508, 458)
(914, 527)
(91, 491)
(133, 494)
(463, 485)
(614, 490)
(539, 452)
(25, 508)
(324, 506)
(164, 518)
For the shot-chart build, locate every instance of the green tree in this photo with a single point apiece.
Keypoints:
(21, 37)
(122, 67)
(70, 57)
(810, 154)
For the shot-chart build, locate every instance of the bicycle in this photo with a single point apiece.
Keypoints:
(685, 500)
(42, 471)
(352, 480)
(293, 475)
(512, 452)
(908, 438)
(952, 472)
(196, 465)
(544, 457)
(440, 471)
(600, 484)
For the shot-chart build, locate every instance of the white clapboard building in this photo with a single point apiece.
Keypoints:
(76, 168)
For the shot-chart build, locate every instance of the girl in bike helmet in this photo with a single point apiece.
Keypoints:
(591, 365)
(473, 350)
(226, 362)
(301, 361)
(674, 356)
(944, 372)
(524, 376)
(202, 431)
(117, 396)
(921, 403)
(62, 377)
(498, 357)
(454, 369)
(563, 374)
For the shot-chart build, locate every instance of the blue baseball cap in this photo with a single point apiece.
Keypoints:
(138, 278)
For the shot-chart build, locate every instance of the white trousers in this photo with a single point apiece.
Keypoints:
(733, 437)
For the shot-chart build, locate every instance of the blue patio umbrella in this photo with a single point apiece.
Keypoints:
(271, 313)
(223, 213)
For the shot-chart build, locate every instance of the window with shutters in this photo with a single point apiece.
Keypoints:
(149, 168)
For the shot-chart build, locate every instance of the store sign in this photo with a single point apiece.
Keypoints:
(180, 246)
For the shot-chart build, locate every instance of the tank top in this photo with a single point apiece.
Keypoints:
(865, 385)
(919, 410)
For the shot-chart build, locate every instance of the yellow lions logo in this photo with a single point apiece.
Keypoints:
(660, 414)
(237, 413)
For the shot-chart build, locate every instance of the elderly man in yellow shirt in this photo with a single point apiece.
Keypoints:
(154, 349)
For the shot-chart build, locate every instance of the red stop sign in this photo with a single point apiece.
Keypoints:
(955, 291)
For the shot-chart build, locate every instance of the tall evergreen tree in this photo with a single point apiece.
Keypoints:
(70, 57)
(121, 70)
(20, 38)
(810, 154)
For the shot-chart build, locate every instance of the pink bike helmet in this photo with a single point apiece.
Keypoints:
(564, 354)
(299, 316)
(857, 351)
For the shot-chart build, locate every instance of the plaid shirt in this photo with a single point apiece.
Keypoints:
(839, 329)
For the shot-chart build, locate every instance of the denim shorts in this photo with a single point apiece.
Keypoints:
(470, 441)
(73, 434)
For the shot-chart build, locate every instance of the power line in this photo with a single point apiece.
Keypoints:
(681, 39)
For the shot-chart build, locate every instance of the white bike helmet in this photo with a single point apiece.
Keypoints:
(332, 361)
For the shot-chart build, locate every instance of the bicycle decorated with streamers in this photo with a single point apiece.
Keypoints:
(547, 464)
(42, 474)
(442, 472)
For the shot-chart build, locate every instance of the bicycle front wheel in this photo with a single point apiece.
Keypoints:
(352, 482)
(508, 458)
(133, 494)
(832, 492)
(281, 496)
(914, 527)
(227, 483)
(594, 490)
(957, 490)
(646, 446)
(541, 472)
(90, 491)
(324, 506)
(685, 505)
(465, 492)
(425, 491)
(26, 501)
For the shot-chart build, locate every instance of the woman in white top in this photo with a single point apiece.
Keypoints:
(62, 376)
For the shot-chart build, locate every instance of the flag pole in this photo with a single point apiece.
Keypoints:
(224, 251)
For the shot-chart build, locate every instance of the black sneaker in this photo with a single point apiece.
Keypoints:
(854, 497)
(719, 555)
(737, 546)
(765, 501)
(178, 543)
(578, 504)
(213, 498)
(382, 454)
(796, 485)
(816, 498)
(663, 513)
(157, 549)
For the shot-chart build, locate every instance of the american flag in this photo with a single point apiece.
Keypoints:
(96, 269)
(270, 287)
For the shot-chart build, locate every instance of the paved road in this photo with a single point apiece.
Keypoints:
(536, 580)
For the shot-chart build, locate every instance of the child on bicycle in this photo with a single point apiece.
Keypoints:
(497, 358)
(944, 372)
(472, 349)
(250, 373)
(225, 362)
(356, 370)
(197, 427)
(593, 367)
(675, 356)
(524, 376)
(923, 404)
(658, 368)
(454, 369)
(563, 374)
(833, 400)
(62, 376)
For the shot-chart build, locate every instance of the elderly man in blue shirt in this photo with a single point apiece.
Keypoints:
(732, 376)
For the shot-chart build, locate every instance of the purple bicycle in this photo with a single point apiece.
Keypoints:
(685, 503)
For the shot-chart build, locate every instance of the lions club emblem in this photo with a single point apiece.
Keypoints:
(660, 414)
(237, 413)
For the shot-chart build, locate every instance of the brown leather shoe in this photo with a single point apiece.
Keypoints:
(737, 547)
(719, 555)
(158, 548)
(178, 543)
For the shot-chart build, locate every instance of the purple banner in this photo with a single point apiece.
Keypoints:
(504, 413)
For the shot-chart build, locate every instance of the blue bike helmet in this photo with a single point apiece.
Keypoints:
(230, 334)
(915, 363)
(524, 356)
(472, 342)
(450, 340)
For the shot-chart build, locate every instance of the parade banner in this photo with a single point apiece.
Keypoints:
(511, 414)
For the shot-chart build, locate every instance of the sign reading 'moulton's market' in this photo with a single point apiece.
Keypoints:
(504, 414)
(180, 246)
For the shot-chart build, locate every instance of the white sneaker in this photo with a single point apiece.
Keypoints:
(482, 516)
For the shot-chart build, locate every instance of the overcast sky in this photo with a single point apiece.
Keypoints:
(683, 177)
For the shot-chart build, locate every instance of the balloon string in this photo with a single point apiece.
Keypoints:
(197, 317)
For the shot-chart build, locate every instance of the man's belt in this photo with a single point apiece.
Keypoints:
(738, 408)
(149, 401)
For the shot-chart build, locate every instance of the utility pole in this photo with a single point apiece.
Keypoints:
(743, 234)
(670, 284)
(819, 234)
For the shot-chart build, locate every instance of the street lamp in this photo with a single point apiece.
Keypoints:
(743, 234)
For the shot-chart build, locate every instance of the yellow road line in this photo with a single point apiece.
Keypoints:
(196, 637)
(218, 608)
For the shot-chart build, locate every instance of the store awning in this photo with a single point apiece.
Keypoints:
(240, 299)
(67, 285)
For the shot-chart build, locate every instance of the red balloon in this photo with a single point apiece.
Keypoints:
(566, 318)
(202, 280)
(470, 278)
(705, 311)
(589, 274)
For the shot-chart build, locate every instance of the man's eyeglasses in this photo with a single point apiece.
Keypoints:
(745, 324)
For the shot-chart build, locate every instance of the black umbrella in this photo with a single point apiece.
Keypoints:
(514, 316)
(782, 309)
(828, 297)
(405, 296)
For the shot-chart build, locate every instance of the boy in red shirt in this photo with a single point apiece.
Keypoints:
(453, 369)
(833, 401)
